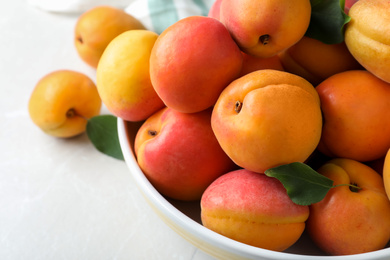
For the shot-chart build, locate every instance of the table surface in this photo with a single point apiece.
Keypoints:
(61, 198)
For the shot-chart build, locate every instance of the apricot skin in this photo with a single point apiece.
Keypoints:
(215, 9)
(356, 110)
(252, 63)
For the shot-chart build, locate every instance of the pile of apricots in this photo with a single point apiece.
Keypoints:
(224, 97)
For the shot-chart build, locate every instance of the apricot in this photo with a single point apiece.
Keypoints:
(95, 29)
(268, 118)
(367, 36)
(251, 63)
(192, 61)
(123, 78)
(356, 111)
(179, 153)
(316, 61)
(351, 220)
(62, 102)
(254, 209)
(265, 28)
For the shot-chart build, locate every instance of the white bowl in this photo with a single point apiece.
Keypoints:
(184, 218)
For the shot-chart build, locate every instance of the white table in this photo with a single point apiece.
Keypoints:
(62, 199)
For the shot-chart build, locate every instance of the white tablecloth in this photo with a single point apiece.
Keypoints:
(62, 199)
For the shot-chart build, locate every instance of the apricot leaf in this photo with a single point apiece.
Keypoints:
(327, 21)
(103, 132)
(304, 185)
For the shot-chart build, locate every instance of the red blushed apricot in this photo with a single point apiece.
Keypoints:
(254, 209)
(265, 28)
(179, 153)
(192, 61)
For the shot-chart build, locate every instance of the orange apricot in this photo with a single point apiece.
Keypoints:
(62, 102)
(268, 118)
(356, 111)
(96, 28)
(316, 61)
(350, 220)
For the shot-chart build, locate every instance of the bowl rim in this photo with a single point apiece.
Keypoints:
(202, 233)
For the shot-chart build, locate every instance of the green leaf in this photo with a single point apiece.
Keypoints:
(103, 132)
(304, 185)
(327, 21)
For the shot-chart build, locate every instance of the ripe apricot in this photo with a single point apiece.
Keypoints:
(265, 28)
(268, 118)
(350, 220)
(96, 28)
(192, 61)
(315, 61)
(62, 101)
(367, 36)
(179, 153)
(253, 208)
(356, 111)
(123, 79)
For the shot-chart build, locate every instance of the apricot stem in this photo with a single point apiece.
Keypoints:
(264, 39)
(72, 113)
(353, 186)
(238, 106)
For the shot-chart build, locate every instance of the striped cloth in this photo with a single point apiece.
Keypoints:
(157, 15)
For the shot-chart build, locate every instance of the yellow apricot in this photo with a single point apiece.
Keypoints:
(367, 36)
(62, 102)
(97, 27)
(123, 79)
